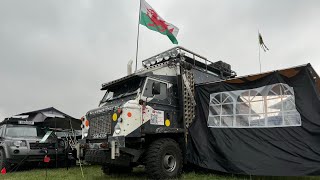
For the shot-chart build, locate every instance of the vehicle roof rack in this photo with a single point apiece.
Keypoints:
(197, 60)
(221, 68)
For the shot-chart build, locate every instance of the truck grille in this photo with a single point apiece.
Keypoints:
(42, 145)
(100, 126)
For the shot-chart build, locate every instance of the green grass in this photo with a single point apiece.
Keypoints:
(95, 173)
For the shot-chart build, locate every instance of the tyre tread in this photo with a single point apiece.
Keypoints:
(153, 166)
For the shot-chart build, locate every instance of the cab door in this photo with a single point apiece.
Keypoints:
(161, 105)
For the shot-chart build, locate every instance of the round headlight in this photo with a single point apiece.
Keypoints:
(85, 134)
(117, 129)
(17, 143)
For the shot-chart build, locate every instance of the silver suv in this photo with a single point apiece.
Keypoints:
(21, 143)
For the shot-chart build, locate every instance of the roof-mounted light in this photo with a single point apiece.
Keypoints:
(166, 55)
(182, 52)
(174, 52)
(161, 57)
(153, 60)
(146, 63)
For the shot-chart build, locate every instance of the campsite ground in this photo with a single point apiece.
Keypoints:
(94, 172)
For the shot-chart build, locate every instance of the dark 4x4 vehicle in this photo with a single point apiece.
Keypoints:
(21, 143)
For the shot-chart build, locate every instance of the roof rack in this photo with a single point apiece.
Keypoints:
(193, 58)
(181, 51)
(172, 53)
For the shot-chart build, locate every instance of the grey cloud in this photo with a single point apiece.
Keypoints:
(58, 53)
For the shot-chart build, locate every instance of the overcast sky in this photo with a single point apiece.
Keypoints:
(59, 52)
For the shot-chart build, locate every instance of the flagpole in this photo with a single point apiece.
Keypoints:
(137, 50)
(259, 51)
(259, 58)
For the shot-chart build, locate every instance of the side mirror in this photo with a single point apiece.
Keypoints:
(156, 88)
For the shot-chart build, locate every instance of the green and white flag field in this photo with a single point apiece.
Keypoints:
(150, 18)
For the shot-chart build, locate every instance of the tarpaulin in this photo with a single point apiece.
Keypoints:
(264, 124)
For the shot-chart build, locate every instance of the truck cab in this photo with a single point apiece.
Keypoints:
(143, 118)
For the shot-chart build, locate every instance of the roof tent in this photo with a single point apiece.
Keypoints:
(48, 117)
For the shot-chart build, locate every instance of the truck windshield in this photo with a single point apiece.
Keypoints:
(124, 89)
(24, 131)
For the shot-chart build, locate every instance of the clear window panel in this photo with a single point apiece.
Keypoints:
(288, 90)
(226, 98)
(265, 106)
(288, 104)
(276, 90)
(274, 119)
(214, 121)
(253, 93)
(292, 118)
(244, 98)
(215, 110)
(246, 94)
(214, 100)
(218, 97)
(227, 121)
(242, 108)
(227, 109)
(257, 107)
(257, 97)
(257, 120)
(242, 120)
(274, 105)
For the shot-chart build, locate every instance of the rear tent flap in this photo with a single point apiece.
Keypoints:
(264, 124)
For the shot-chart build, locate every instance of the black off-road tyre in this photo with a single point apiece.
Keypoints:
(164, 159)
(3, 161)
(115, 170)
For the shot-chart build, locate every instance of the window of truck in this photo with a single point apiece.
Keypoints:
(123, 89)
(147, 92)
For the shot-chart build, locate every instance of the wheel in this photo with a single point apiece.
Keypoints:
(114, 170)
(3, 162)
(164, 159)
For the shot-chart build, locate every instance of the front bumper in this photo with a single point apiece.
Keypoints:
(18, 154)
(103, 157)
(111, 152)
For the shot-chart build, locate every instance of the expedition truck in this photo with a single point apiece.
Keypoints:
(143, 118)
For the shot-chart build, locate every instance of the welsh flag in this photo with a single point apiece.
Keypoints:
(150, 18)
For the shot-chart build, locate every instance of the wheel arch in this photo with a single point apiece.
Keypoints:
(178, 137)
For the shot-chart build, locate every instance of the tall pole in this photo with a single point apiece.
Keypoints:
(259, 58)
(259, 50)
(137, 50)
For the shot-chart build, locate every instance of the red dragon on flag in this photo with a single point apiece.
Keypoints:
(157, 21)
(151, 19)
